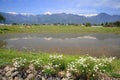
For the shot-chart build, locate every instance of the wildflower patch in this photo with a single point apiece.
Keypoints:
(84, 67)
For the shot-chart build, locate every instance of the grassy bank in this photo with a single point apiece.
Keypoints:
(6, 56)
(57, 29)
(112, 69)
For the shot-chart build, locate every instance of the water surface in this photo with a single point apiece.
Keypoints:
(92, 44)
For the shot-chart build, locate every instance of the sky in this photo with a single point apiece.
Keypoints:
(88, 7)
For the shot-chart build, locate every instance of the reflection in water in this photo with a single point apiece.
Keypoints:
(87, 37)
(92, 44)
(50, 38)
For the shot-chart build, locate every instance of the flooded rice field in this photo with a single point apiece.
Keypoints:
(92, 44)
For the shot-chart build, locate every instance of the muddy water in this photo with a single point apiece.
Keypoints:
(92, 44)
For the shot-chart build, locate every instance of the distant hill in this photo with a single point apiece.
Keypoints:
(59, 18)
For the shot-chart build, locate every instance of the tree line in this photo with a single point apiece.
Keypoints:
(111, 24)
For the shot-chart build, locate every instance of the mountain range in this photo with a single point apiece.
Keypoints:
(58, 18)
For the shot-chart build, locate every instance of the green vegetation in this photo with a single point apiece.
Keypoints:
(88, 24)
(7, 55)
(112, 24)
(57, 29)
(53, 63)
(2, 18)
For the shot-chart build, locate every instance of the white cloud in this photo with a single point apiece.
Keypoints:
(85, 12)
(12, 12)
(15, 13)
(26, 14)
(88, 15)
(48, 13)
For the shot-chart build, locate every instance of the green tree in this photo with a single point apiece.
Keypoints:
(106, 24)
(2, 18)
(88, 24)
(102, 24)
(14, 24)
(117, 23)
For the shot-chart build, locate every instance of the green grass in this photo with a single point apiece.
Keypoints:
(57, 29)
(6, 57)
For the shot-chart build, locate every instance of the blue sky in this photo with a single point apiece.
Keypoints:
(61, 6)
